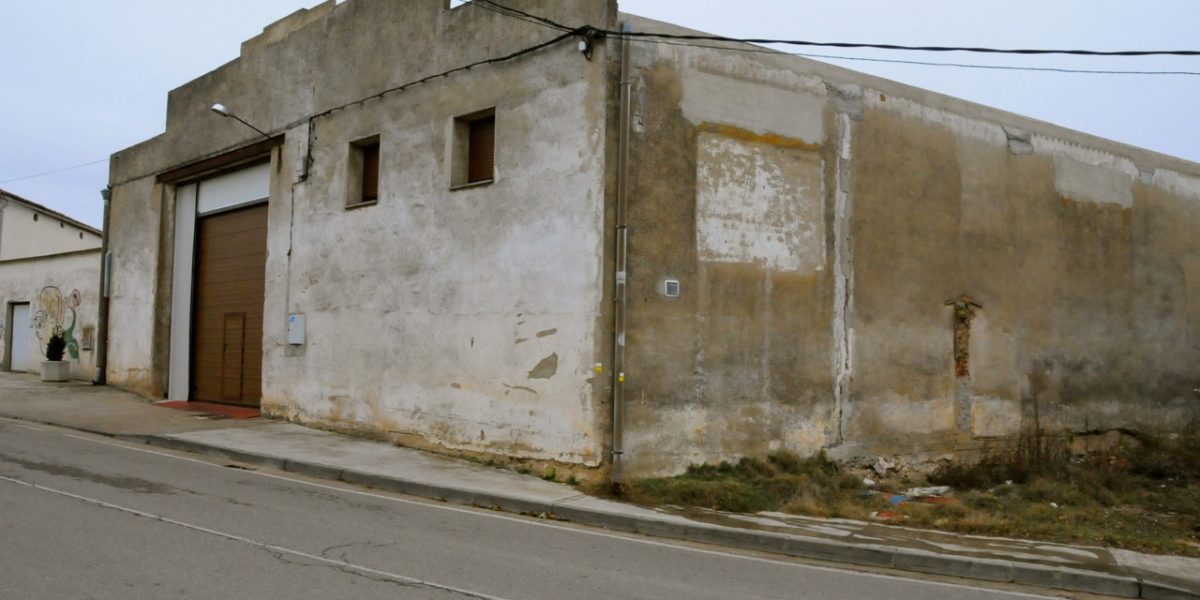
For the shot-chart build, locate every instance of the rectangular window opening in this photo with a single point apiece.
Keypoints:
(362, 176)
(473, 143)
(370, 172)
(481, 149)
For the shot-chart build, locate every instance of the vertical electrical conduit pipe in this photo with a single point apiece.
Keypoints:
(620, 294)
(101, 343)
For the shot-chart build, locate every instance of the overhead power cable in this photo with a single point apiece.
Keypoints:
(71, 168)
(901, 47)
(927, 63)
(428, 78)
(1027, 51)
(521, 15)
(538, 20)
(998, 67)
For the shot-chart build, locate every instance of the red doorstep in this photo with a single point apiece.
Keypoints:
(220, 410)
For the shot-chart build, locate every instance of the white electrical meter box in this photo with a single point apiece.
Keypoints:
(295, 334)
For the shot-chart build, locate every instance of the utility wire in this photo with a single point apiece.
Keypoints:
(488, 61)
(924, 63)
(72, 168)
(719, 38)
(999, 67)
(527, 50)
(531, 18)
(522, 15)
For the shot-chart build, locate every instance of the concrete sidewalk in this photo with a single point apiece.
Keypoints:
(331, 456)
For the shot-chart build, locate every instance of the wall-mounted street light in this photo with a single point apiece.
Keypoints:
(224, 112)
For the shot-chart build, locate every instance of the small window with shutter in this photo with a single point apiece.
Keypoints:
(473, 159)
(370, 172)
(481, 149)
(362, 172)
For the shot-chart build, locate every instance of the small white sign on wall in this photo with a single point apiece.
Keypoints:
(295, 330)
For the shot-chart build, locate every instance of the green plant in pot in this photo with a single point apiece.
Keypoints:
(54, 368)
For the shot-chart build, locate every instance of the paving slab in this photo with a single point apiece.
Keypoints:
(98, 409)
(335, 452)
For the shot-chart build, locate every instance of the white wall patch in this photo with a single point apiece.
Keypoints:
(1081, 181)
(759, 204)
(753, 106)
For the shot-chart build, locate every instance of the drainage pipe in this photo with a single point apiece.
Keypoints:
(620, 277)
(101, 377)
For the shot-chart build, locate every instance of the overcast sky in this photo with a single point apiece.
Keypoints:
(81, 79)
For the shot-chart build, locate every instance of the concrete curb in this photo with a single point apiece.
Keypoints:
(904, 559)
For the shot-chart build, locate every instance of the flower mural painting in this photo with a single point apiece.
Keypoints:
(52, 317)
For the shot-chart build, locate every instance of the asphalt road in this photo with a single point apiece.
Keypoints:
(88, 517)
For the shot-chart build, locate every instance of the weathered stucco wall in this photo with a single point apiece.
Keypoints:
(465, 316)
(61, 291)
(468, 318)
(25, 232)
(728, 196)
(1079, 259)
(820, 220)
(136, 343)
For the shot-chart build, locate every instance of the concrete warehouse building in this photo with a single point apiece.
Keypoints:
(49, 281)
(736, 253)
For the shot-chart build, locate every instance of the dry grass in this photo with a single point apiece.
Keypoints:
(1145, 499)
(753, 485)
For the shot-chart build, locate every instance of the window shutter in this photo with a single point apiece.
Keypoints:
(370, 174)
(481, 150)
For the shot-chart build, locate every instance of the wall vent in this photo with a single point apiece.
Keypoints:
(671, 288)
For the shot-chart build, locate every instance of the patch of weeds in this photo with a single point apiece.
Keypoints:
(781, 481)
(1144, 498)
(1032, 455)
(1170, 459)
(571, 480)
(550, 474)
(524, 470)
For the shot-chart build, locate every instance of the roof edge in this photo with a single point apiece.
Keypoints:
(50, 212)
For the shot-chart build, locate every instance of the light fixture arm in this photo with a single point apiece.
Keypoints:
(224, 112)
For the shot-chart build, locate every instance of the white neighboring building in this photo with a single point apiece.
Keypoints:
(49, 279)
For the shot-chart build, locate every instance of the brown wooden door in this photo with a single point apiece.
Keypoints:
(227, 322)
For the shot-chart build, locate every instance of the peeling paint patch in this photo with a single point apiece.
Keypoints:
(1177, 183)
(967, 127)
(848, 99)
(1081, 181)
(545, 369)
(709, 97)
(843, 279)
(1019, 141)
(759, 204)
(746, 135)
(964, 313)
(1059, 148)
(520, 388)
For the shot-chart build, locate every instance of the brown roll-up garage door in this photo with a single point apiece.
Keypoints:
(227, 323)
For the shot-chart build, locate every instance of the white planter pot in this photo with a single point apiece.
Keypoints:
(56, 370)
